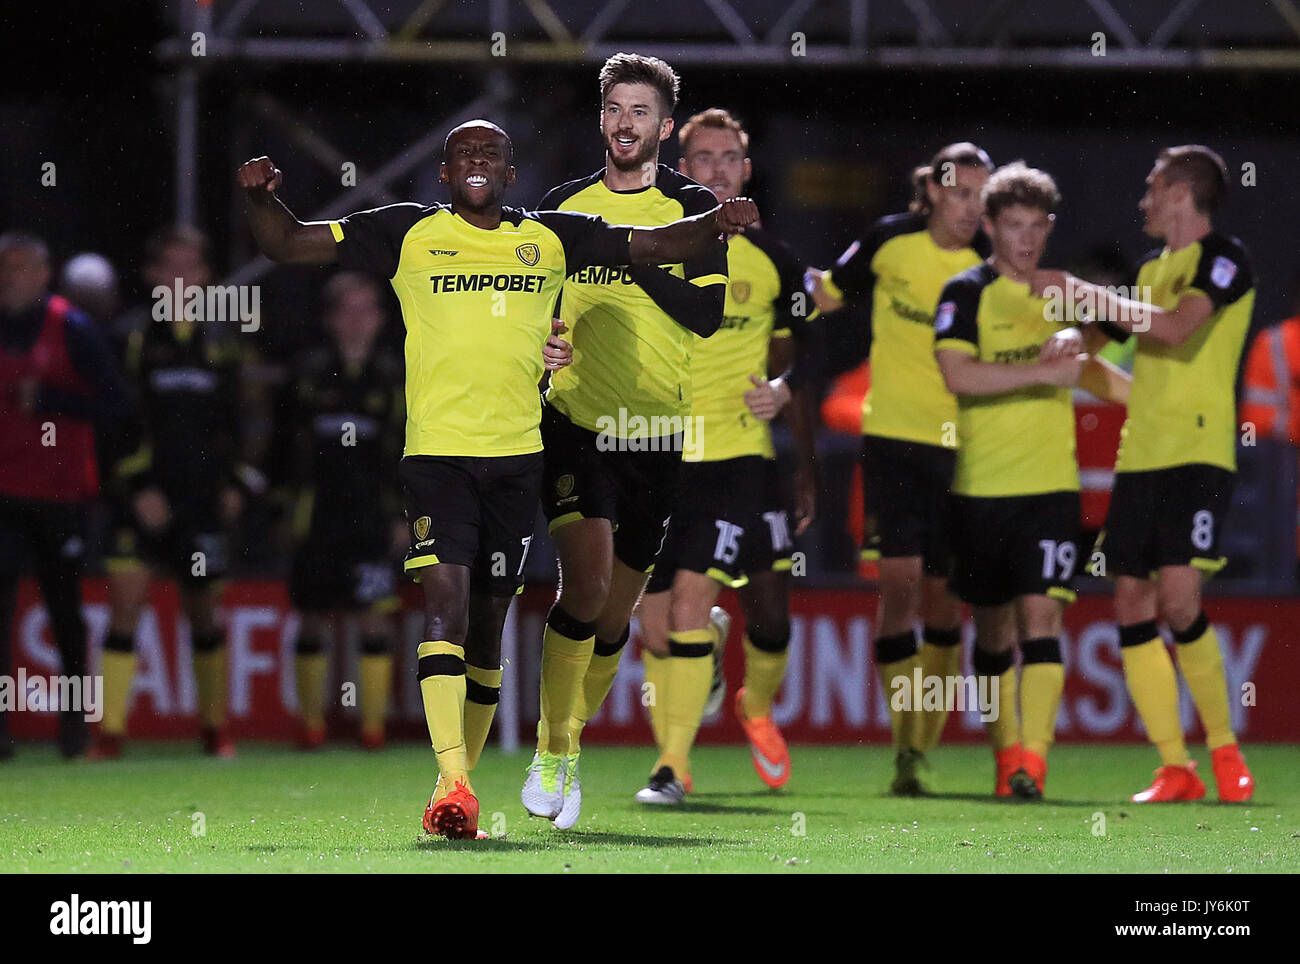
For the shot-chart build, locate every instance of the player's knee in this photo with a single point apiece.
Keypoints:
(690, 611)
(901, 596)
(584, 595)
(1180, 611)
(447, 626)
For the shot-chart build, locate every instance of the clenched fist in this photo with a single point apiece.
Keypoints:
(735, 214)
(260, 178)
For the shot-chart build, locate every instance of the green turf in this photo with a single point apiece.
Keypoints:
(273, 809)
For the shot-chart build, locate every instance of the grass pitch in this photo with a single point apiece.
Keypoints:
(164, 808)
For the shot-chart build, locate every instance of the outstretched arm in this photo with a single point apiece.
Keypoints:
(280, 235)
(1166, 326)
(964, 374)
(695, 308)
(688, 237)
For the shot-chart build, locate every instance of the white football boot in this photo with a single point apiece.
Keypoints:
(543, 793)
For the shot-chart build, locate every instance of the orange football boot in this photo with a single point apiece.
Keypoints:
(455, 816)
(767, 749)
(1007, 762)
(1036, 767)
(1173, 784)
(311, 737)
(217, 741)
(1236, 785)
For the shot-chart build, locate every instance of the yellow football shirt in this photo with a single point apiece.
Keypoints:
(630, 375)
(1183, 409)
(477, 308)
(1019, 442)
(898, 264)
(765, 300)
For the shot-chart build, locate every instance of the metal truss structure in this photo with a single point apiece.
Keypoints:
(1170, 35)
(1154, 34)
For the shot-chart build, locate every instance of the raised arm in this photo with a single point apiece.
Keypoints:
(280, 235)
(684, 239)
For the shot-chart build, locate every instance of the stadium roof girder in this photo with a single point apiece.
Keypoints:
(868, 34)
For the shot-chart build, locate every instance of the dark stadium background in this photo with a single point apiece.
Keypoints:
(834, 138)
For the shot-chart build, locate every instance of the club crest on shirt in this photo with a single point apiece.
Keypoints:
(1222, 272)
(529, 254)
(421, 527)
(943, 317)
(740, 291)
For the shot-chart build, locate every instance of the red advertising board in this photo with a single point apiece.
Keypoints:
(831, 693)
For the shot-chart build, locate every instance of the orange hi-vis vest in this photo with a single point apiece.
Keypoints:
(1270, 397)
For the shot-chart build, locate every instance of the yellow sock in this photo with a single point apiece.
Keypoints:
(764, 671)
(376, 683)
(656, 675)
(566, 652)
(689, 676)
(1149, 672)
(1201, 661)
(1042, 677)
(118, 668)
(310, 673)
(210, 675)
(595, 687)
(1004, 728)
(938, 655)
(895, 657)
(482, 693)
(442, 688)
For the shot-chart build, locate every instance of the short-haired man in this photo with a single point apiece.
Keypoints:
(1016, 511)
(1177, 461)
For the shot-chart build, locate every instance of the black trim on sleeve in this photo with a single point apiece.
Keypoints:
(1224, 273)
(695, 308)
(557, 195)
(852, 272)
(789, 272)
(957, 316)
(695, 199)
(372, 240)
(586, 238)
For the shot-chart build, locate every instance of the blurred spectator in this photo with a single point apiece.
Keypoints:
(57, 382)
(339, 439)
(1271, 386)
(176, 497)
(89, 282)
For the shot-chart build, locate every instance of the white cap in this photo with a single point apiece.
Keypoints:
(89, 270)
